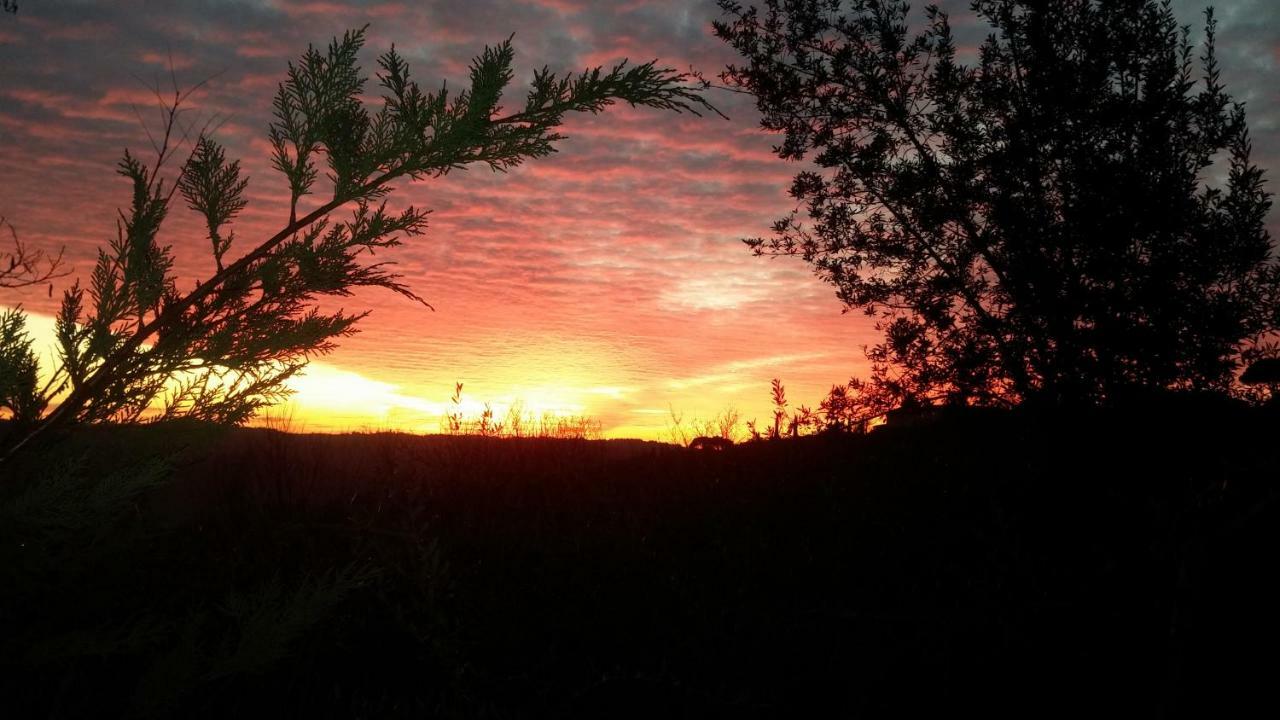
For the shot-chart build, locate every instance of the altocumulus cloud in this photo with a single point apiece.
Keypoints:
(624, 246)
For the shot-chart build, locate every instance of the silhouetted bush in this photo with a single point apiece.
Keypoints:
(1036, 562)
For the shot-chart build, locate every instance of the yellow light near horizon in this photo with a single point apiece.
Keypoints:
(330, 399)
(542, 380)
(325, 398)
(546, 400)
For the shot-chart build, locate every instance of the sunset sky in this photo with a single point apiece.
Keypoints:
(607, 280)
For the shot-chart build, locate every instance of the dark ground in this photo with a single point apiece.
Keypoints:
(1114, 563)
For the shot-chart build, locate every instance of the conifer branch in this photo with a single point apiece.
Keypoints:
(131, 343)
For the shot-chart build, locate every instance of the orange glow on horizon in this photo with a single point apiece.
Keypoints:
(328, 398)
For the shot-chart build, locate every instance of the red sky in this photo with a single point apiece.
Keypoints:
(609, 279)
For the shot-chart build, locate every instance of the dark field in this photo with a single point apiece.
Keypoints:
(1108, 563)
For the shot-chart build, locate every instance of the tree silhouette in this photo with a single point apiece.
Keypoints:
(131, 342)
(1051, 223)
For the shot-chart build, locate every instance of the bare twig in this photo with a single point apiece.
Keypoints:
(23, 267)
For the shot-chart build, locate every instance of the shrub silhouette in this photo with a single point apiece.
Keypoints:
(702, 442)
(131, 340)
(511, 576)
(1262, 372)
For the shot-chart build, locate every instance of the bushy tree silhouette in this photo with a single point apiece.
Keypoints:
(1074, 216)
(130, 341)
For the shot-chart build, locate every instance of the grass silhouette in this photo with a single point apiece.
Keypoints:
(1017, 563)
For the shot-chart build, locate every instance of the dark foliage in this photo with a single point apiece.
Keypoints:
(1105, 559)
(19, 380)
(1046, 224)
(1262, 372)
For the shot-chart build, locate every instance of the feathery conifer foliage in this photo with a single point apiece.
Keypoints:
(19, 377)
(131, 341)
(1047, 223)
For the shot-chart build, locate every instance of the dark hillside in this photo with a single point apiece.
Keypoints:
(1103, 562)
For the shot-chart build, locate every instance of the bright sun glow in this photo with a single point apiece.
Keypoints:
(327, 398)
(546, 382)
